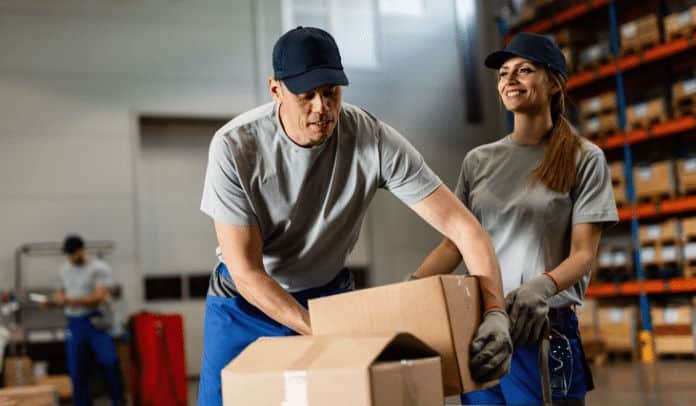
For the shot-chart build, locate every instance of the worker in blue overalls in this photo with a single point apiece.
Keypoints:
(84, 287)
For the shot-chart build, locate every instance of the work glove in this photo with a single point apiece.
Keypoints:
(528, 308)
(491, 348)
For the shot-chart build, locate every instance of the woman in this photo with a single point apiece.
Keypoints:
(544, 194)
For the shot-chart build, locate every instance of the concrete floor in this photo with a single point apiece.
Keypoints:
(623, 383)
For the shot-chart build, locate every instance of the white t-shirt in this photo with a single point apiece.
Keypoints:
(80, 281)
(529, 224)
(308, 202)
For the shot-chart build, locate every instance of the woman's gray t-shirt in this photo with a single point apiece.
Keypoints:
(529, 224)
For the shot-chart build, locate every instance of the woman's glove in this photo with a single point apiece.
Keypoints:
(528, 308)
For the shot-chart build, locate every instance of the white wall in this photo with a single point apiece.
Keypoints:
(76, 75)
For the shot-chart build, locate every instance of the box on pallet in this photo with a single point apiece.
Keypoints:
(684, 97)
(618, 326)
(603, 103)
(680, 24)
(644, 115)
(595, 55)
(443, 311)
(604, 124)
(654, 181)
(391, 370)
(18, 371)
(639, 34)
(686, 170)
(673, 328)
(62, 383)
(588, 322)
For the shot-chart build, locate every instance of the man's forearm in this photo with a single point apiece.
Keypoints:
(443, 260)
(267, 295)
(479, 256)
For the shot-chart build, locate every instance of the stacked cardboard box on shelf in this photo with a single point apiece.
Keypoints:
(600, 126)
(618, 182)
(684, 97)
(689, 239)
(595, 55)
(645, 115)
(655, 181)
(618, 326)
(673, 328)
(681, 24)
(614, 264)
(639, 34)
(686, 171)
(661, 244)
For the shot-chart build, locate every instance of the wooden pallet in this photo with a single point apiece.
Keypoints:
(655, 198)
(637, 47)
(646, 122)
(687, 32)
(685, 106)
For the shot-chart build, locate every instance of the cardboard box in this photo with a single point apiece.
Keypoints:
(686, 169)
(601, 104)
(442, 311)
(594, 55)
(587, 319)
(644, 115)
(674, 329)
(640, 33)
(396, 370)
(667, 231)
(689, 228)
(680, 24)
(654, 181)
(18, 371)
(618, 326)
(62, 383)
(31, 395)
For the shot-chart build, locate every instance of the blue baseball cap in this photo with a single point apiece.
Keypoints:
(535, 47)
(306, 58)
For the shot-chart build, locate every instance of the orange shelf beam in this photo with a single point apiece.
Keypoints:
(665, 129)
(650, 286)
(629, 62)
(663, 208)
(559, 18)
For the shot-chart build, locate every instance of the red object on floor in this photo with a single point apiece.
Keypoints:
(158, 368)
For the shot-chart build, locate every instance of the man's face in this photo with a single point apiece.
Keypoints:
(308, 118)
(78, 257)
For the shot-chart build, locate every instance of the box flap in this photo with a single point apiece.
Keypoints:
(463, 307)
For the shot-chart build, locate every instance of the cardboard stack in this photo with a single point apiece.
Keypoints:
(684, 97)
(680, 24)
(686, 171)
(674, 329)
(618, 326)
(655, 181)
(646, 114)
(639, 34)
(29, 396)
(18, 371)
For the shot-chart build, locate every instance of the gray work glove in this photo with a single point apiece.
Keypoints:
(528, 308)
(491, 348)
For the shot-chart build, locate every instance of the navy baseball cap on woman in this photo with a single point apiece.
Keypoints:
(535, 47)
(306, 58)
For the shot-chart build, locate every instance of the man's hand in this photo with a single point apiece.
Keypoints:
(58, 299)
(528, 308)
(491, 348)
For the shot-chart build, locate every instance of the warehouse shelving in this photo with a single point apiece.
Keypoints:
(666, 129)
(649, 286)
(630, 62)
(659, 209)
(562, 17)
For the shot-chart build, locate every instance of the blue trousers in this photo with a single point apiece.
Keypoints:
(231, 324)
(522, 386)
(81, 336)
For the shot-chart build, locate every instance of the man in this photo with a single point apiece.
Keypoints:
(288, 185)
(84, 286)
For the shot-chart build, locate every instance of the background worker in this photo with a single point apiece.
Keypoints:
(288, 185)
(544, 194)
(84, 287)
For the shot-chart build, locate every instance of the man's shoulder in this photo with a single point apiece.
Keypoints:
(250, 119)
(99, 265)
(358, 116)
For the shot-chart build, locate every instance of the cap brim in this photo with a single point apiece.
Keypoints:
(498, 58)
(314, 79)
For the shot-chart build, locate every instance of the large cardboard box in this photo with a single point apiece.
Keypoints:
(618, 326)
(443, 311)
(18, 371)
(30, 395)
(394, 370)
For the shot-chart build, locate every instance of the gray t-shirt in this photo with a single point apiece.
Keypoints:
(309, 203)
(80, 281)
(530, 225)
